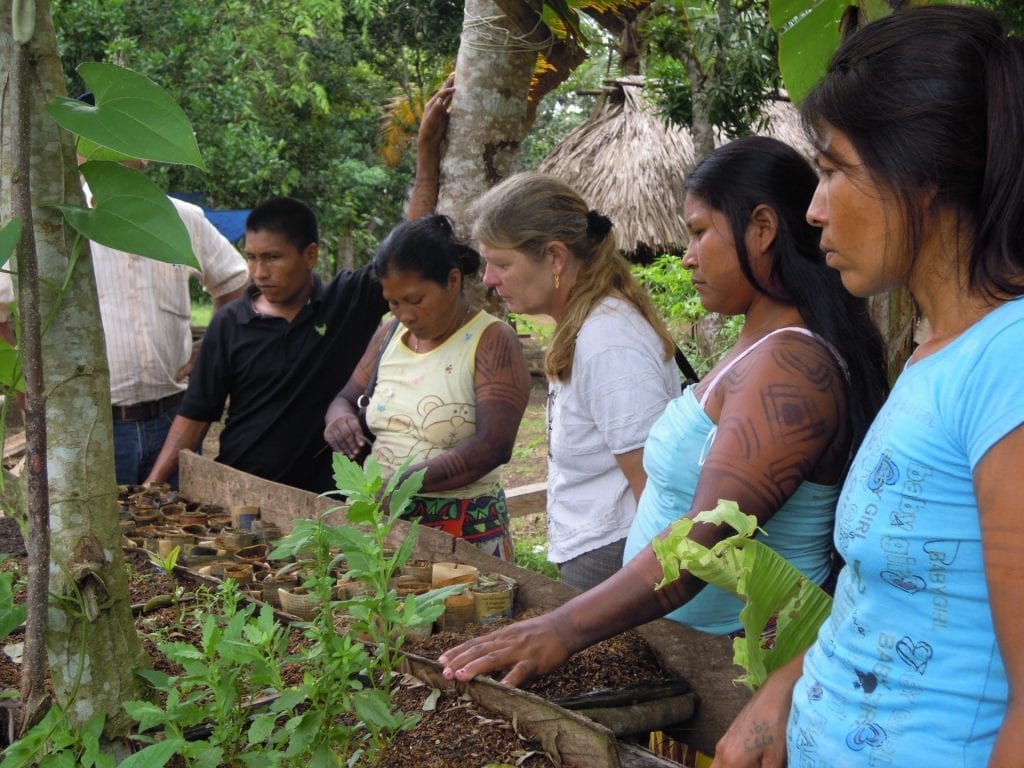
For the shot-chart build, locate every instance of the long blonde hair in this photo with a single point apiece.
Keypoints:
(527, 211)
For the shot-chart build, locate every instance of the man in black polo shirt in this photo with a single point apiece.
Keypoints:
(280, 353)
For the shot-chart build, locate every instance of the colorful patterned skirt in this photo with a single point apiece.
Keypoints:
(482, 520)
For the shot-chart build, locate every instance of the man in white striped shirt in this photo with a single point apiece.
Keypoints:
(145, 307)
(146, 311)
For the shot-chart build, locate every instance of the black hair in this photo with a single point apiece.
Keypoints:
(932, 100)
(426, 247)
(746, 173)
(286, 216)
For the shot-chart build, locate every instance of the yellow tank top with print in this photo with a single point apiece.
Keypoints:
(425, 403)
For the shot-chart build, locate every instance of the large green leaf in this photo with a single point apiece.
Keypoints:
(155, 755)
(768, 584)
(9, 236)
(132, 214)
(808, 36)
(10, 368)
(133, 116)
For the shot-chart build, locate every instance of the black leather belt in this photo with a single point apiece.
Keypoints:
(149, 410)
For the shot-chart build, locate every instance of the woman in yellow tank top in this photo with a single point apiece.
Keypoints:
(451, 387)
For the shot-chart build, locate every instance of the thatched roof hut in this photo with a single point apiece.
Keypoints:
(629, 164)
(784, 125)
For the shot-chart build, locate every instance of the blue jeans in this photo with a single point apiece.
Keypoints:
(137, 444)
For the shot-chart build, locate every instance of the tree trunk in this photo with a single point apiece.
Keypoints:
(896, 316)
(33, 670)
(489, 109)
(92, 644)
(703, 132)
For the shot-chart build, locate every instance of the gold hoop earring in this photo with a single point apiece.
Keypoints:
(556, 281)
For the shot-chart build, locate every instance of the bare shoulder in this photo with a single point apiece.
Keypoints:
(796, 359)
(368, 362)
(499, 338)
(782, 410)
(789, 376)
(383, 331)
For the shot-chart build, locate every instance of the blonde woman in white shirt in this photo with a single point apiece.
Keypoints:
(610, 364)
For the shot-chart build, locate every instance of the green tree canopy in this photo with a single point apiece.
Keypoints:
(286, 97)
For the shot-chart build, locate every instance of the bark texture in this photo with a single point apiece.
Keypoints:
(489, 109)
(92, 646)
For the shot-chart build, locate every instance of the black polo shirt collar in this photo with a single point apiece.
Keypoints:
(249, 313)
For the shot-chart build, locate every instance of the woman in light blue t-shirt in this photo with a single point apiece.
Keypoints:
(919, 128)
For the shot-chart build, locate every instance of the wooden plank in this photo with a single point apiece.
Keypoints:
(14, 445)
(705, 660)
(632, 756)
(527, 499)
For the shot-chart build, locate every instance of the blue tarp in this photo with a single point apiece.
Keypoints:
(231, 224)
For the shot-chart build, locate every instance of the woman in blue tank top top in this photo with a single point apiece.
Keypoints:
(772, 427)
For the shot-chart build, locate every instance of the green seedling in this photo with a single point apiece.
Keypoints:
(758, 575)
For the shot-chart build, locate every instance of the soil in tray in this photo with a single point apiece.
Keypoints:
(456, 733)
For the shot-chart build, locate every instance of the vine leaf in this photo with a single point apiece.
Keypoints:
(10, 234)
(130, 214)
(133, 118)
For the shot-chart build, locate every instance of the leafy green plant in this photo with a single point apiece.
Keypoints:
(132, 118)
(167, 564)
(532, 554)
(702, 336)
(541, 331)
(670, 286)
(239, 658)
(527, 451)
(342, 676)
(340, 713)
(53, 743)
(12, 615)
(760, 576)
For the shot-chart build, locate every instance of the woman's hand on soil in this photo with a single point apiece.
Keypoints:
(345, 435)
(525, 650)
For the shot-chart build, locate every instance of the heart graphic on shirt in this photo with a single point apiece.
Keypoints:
(909, 584)
(885, 473)
(870, 735)
(916, 655)
(942, 550)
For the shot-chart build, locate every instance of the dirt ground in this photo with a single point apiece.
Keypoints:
(456, 733)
